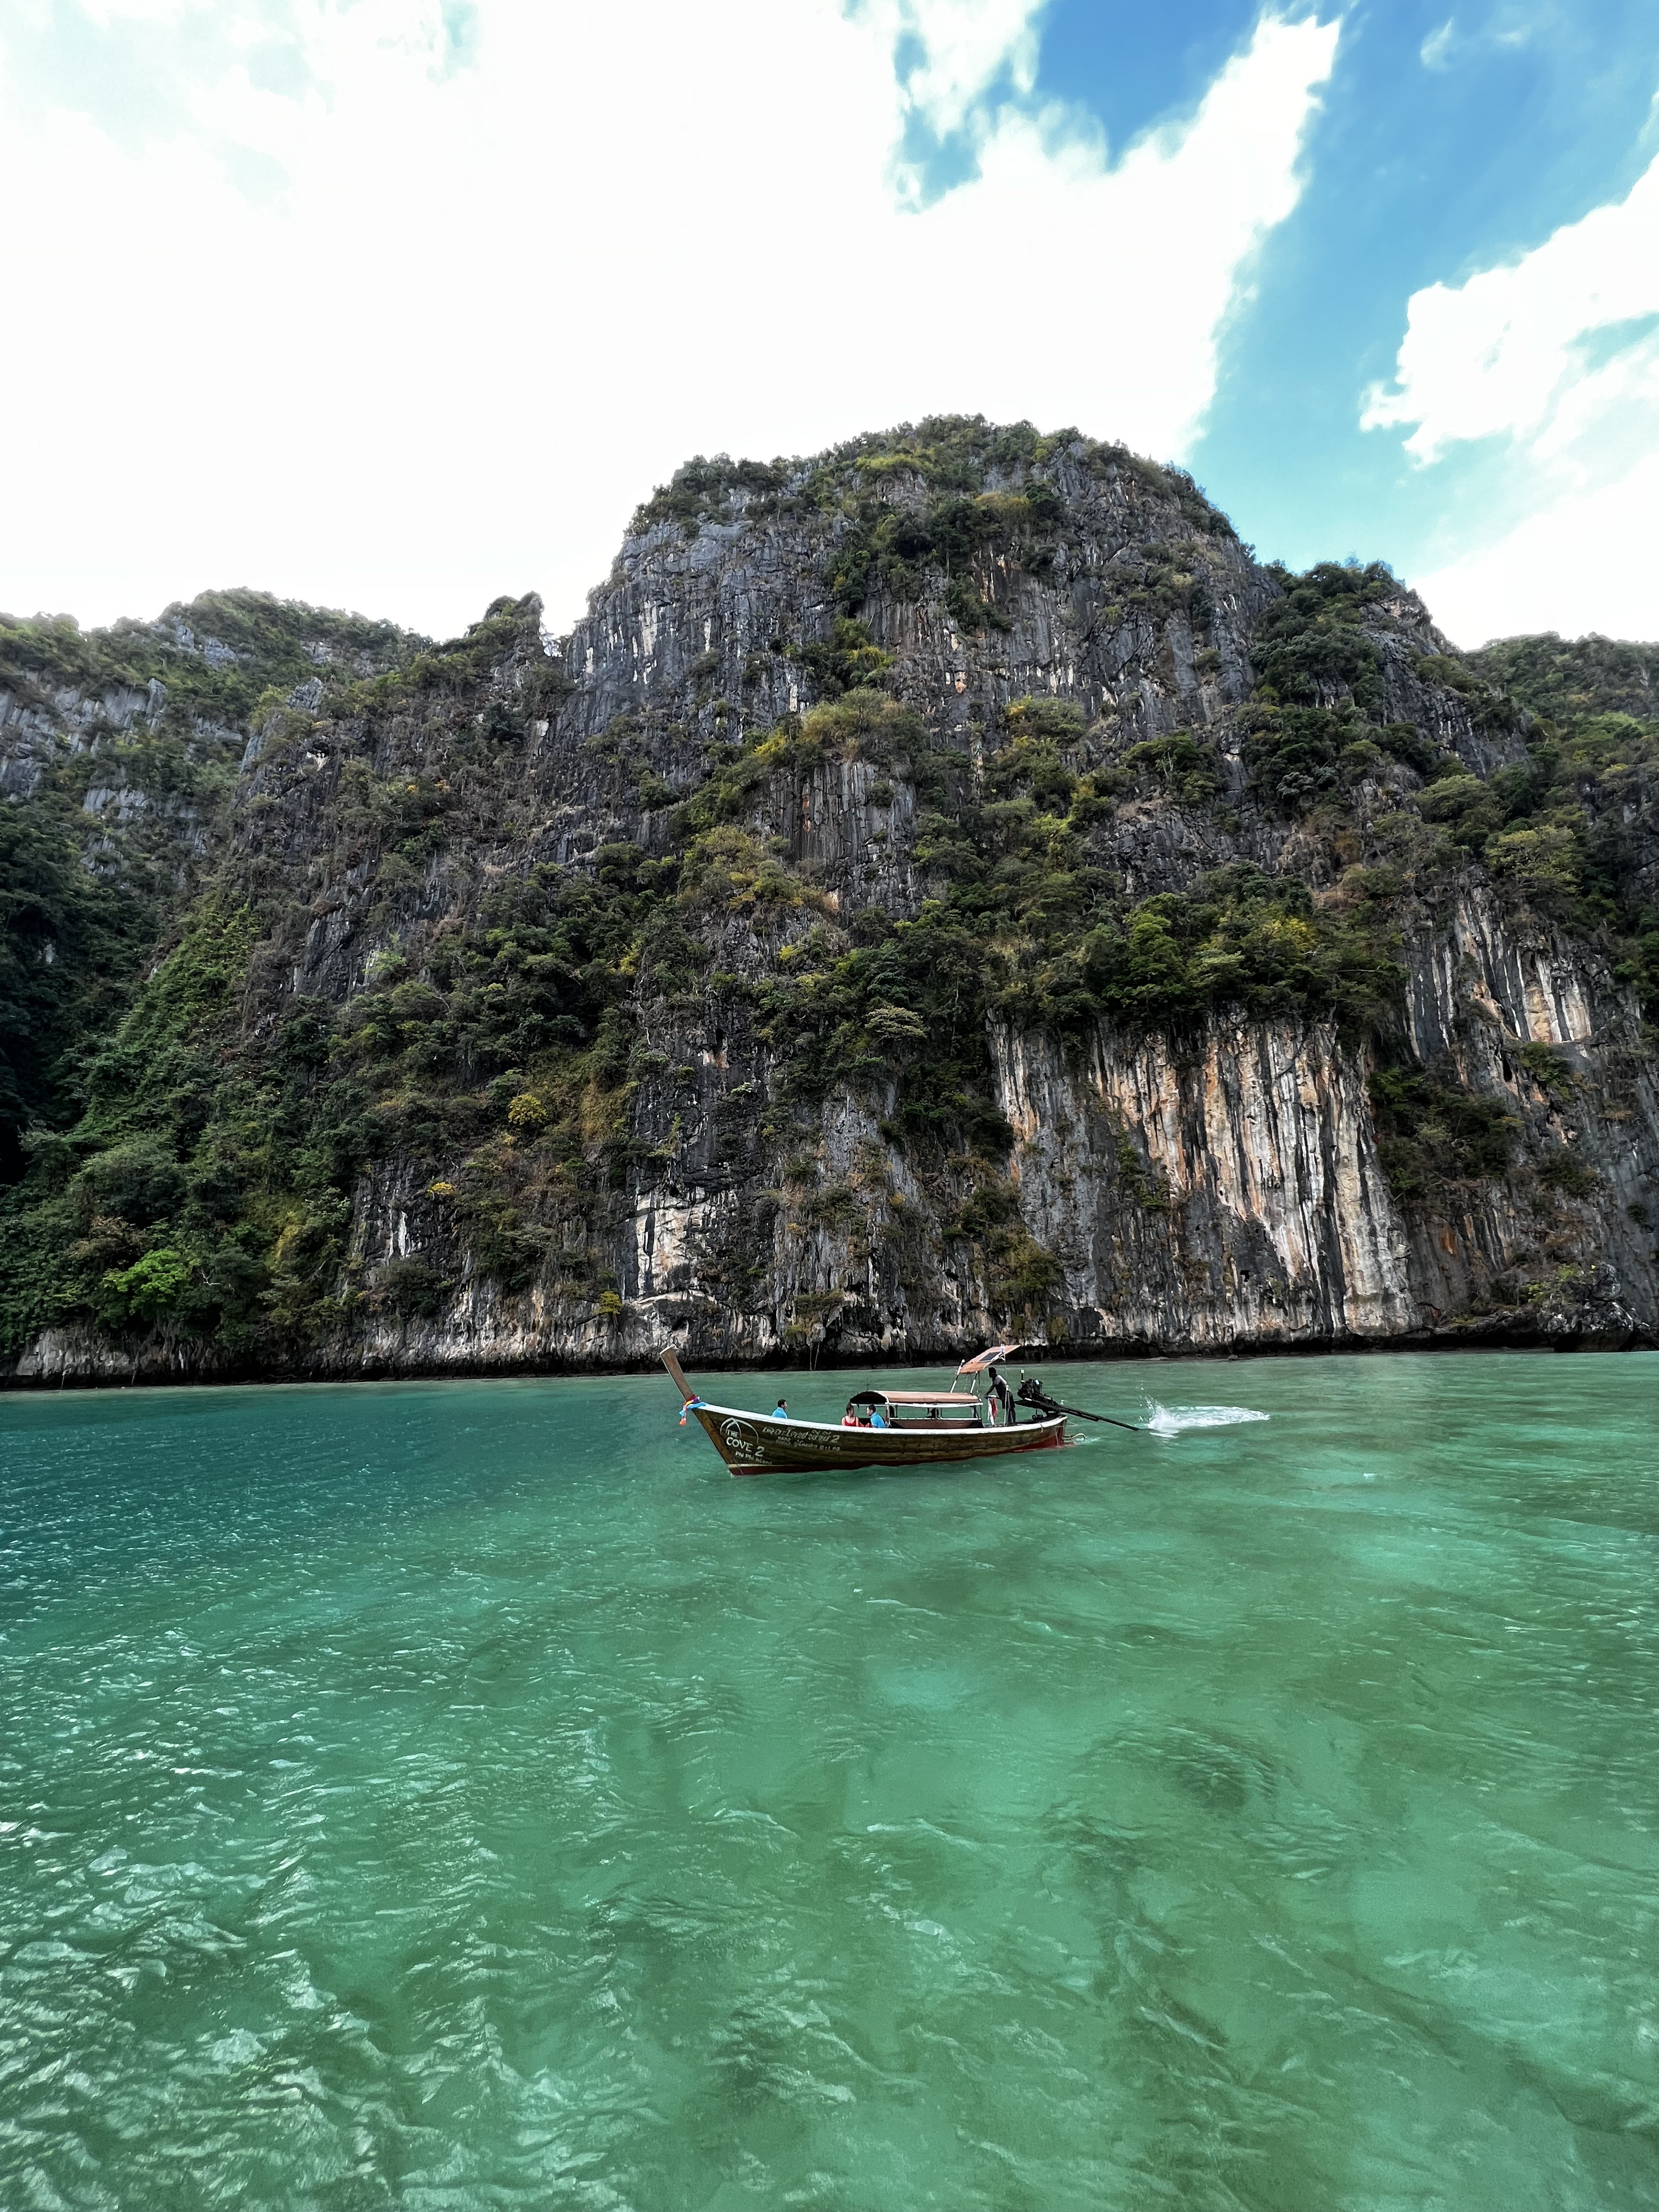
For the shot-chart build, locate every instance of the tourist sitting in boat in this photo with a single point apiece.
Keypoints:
(780, 1411)
(849, 1419)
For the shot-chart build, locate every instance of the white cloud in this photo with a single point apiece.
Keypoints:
(416, 334)
(1500, 353)
(1583, 564)
(1435, 54)
(965, 46)
(1505, 29)
(1557, 354)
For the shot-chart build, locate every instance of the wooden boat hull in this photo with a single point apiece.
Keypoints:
(754, 1443)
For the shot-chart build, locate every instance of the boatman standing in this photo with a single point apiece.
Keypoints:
(1002, 1398)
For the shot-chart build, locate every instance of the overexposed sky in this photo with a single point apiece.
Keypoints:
(401, 304)
(1556, 355)
(399, 307)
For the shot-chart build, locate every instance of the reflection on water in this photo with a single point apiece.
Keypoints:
(458, 1795)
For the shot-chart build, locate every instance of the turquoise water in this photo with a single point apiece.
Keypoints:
(456, 1796)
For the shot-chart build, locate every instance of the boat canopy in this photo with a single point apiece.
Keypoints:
(981, 1360)
(913, 1398)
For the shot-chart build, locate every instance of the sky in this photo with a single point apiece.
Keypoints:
(398, 305)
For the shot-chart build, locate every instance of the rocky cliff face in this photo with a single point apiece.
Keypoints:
(942, 888)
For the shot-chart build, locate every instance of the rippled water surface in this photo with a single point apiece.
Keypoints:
(466, 1795)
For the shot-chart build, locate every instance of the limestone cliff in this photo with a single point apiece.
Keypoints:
(943, 888)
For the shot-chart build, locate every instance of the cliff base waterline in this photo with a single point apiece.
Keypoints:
(153, 1371)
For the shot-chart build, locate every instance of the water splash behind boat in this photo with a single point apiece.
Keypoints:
(1175, 1420)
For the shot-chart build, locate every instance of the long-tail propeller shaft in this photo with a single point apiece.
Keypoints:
(1031, 1393)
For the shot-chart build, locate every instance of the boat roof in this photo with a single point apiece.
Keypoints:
(913, 1398)
(989, 1358)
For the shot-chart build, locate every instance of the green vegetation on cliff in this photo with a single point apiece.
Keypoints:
(1570, 829)
(122, 804)
(214, 656)
(302, 912)
(1572, 679)
(71, 944)
(972, 520)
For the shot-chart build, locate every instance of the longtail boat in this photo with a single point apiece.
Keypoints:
(886, 1428)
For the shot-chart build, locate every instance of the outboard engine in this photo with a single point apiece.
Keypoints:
(1032, 1393)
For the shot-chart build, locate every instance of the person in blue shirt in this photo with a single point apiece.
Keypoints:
(780, 1411)
(876, 1421)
